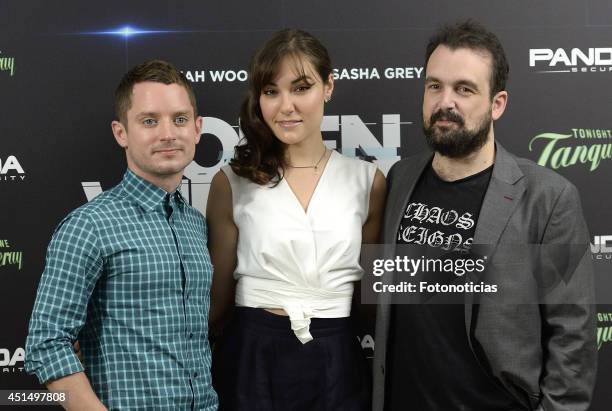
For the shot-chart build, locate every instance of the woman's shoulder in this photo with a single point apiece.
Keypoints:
(241, 183)
(233, 178)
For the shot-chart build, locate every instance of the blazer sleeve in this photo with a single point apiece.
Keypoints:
(568, 310)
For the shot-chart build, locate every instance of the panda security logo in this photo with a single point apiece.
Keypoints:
(601, 247)
(11, 361)
(7, 64)
(11, 170)
(575, 60)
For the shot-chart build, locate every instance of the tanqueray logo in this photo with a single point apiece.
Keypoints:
(604, 329)
(586, 147)
(575, 60)
(7, 64)
(10, 257)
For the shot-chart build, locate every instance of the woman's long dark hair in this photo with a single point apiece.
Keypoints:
(260, 156)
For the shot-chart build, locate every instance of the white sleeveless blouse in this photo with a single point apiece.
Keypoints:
(302, 262)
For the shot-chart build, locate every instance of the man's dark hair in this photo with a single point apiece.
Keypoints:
(472, 35)
(158, 71)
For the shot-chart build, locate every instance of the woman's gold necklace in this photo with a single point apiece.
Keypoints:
(315, 166)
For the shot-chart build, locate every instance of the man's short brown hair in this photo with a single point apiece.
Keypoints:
(158, 71)
(473, 35)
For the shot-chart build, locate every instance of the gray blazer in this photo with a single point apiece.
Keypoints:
(545, 355)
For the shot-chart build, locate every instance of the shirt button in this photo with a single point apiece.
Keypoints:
(195, 375)
(190, 335)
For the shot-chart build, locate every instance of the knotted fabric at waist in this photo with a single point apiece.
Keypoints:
(300, 303)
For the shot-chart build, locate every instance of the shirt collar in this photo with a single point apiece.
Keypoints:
(145, 194)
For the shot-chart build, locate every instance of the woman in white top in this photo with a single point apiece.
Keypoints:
(286, 221)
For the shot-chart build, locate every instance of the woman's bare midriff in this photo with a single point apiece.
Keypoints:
(277, 311)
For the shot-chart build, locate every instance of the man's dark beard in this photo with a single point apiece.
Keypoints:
(457, 143)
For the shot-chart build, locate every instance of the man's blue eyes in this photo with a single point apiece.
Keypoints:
(178, 121)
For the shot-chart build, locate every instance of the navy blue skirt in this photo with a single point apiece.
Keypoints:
(259, 364)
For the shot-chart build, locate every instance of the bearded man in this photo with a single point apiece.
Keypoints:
(531, 346)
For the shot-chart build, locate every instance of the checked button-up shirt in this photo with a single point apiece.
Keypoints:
(128, 274)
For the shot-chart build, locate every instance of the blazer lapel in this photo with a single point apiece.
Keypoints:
(501, 199)
(403, 186)
(403, 181)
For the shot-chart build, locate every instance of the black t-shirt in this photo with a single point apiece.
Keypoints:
(431, 365)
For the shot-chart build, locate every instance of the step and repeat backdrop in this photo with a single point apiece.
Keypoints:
(61, 61)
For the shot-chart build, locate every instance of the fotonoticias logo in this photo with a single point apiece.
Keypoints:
(584, 147)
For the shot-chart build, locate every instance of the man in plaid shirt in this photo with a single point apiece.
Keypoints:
(129, 274)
